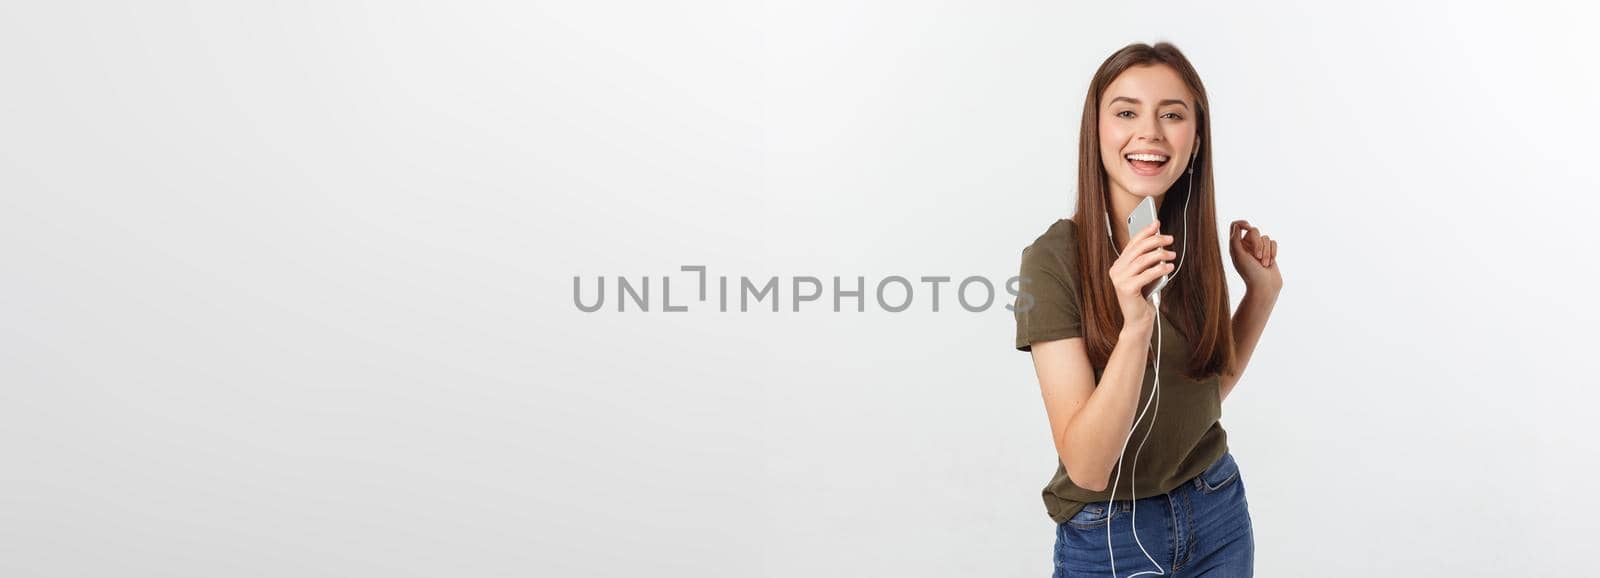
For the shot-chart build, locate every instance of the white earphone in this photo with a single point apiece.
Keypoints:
(1155, 396)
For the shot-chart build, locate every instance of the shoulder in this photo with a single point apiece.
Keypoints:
(1055, 248)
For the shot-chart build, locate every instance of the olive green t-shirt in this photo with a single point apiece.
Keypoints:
(1187, 434)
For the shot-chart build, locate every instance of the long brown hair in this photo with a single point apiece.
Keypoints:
(1196, 299)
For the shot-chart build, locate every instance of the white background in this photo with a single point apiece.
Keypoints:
(286, 288)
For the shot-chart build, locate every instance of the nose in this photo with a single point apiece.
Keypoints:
(1150, 130)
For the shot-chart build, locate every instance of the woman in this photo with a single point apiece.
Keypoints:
(1110, 364)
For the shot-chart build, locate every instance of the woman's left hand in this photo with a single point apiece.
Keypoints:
(1255, 256)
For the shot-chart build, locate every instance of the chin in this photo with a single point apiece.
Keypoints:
(1147, 189)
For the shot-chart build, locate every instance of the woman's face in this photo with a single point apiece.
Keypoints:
(1147, 109)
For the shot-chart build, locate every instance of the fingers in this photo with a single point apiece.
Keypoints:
(1153, 273)
(1153, 257)
(1140, 246)
(1135, 285)
(1246, 242)
(1146, 243)
(1234, 228)
(1148, 231)
(1252, 241)
(1263, 247)
(1142, 261)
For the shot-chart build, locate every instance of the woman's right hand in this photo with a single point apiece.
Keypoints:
(1141, 263)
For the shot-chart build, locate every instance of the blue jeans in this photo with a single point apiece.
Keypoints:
(1202, 528)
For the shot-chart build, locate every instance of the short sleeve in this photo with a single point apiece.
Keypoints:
(1047, 306)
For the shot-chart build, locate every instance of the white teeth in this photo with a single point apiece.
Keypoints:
(1147, 157)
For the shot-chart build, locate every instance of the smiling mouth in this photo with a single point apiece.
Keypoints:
(1146, 165)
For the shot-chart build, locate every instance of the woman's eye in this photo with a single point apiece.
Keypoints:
(1174, 116)
(1127, 112)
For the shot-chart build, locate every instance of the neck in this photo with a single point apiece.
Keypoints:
(1122, 204)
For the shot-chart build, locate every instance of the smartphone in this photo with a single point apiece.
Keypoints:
(1142, 216)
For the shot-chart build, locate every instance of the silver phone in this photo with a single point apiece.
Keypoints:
(1142, 216)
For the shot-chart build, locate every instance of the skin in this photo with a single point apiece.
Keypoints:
(1146, 108)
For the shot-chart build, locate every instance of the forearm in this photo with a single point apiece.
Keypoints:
(1095, 435)
(1248, 323)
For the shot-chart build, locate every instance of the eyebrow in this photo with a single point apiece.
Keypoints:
(1162, 103)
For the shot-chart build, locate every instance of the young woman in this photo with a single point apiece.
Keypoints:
(1126, 421)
